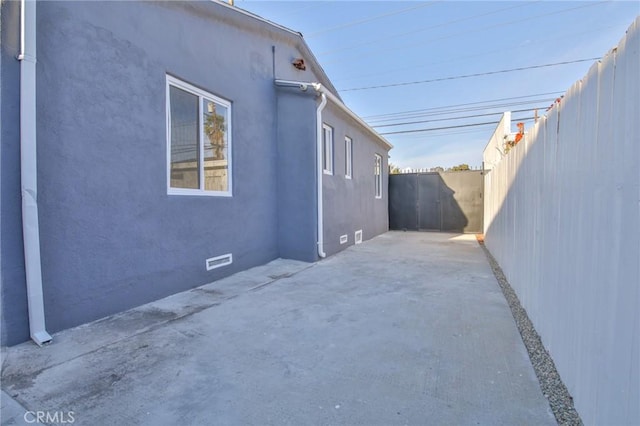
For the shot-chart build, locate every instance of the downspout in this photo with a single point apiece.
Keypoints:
(29, 172)
(326, 95)
(319, 171)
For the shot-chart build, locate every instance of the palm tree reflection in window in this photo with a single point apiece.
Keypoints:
(215, 147)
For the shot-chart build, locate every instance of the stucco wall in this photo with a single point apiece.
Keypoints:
(564, 225)
(297, 193)
(350, 204)
(111, 237)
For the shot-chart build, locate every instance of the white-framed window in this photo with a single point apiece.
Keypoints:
(327, 149)
(348, 162)
(377, 172)
(198, 141)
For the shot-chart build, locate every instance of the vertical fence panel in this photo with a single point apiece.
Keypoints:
(562, 213)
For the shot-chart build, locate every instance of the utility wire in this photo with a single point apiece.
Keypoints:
(451, 132)
(460, 105)
(487, 108)
(467, 76)
(452, 118)
(458, 58)
(395, 48)
(449, 127)
(443, 24)
(507, 107)
(373, 18)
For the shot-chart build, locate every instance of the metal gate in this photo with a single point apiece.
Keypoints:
(449, 201)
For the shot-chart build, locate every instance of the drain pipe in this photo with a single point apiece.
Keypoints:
(326, 95)
(29, 172)
(304, 86)
(320, 172)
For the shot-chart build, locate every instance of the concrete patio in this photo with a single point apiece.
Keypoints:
(407, 328)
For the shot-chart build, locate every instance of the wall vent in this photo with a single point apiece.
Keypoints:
(219, 261)
(358, 236)
(344, 239)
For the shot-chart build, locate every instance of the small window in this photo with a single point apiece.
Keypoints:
(327, 149)
(348, 163)
(199, 141)
(378, 175)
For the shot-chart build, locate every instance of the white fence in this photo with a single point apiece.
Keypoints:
(409, 170)
(562, 218)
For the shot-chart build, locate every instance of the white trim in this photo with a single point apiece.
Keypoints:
(378, 174)
(198, 192)
(168, 133)
(201, 179)
(196, 90)
(344, 239)
(256, 17)
(211, 263)
(327, 154)
(348, 157)
(202, 95)
(357, 236)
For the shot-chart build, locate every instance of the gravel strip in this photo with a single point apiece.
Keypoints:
(551, 384)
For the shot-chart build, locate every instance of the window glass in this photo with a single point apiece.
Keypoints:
(184, 139)
(348, 163)
(378, 176)
(327, 152)
(215, 146)
(199, 141)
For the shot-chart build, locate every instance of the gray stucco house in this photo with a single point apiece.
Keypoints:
(177, 143)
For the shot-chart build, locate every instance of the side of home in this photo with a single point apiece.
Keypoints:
(167, 158)
(355, 191)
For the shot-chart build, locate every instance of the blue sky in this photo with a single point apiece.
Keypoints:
(378, 43)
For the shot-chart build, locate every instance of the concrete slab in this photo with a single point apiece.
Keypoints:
(408, 328)
(11, 412)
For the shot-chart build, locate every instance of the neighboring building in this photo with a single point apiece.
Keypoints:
(177, 143)
(501, 142)
(495, 148)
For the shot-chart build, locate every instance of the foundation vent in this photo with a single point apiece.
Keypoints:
(358, 236)
(344, 239)
(219, 261)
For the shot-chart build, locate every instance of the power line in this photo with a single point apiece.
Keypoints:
(395, 48)
(452, 132)
(373, 18)
(452, 118)
(448, 127)
(468, 75)
(374, 117)
(354, 46)
(502, 108)
(458, 58)
(488, 108)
